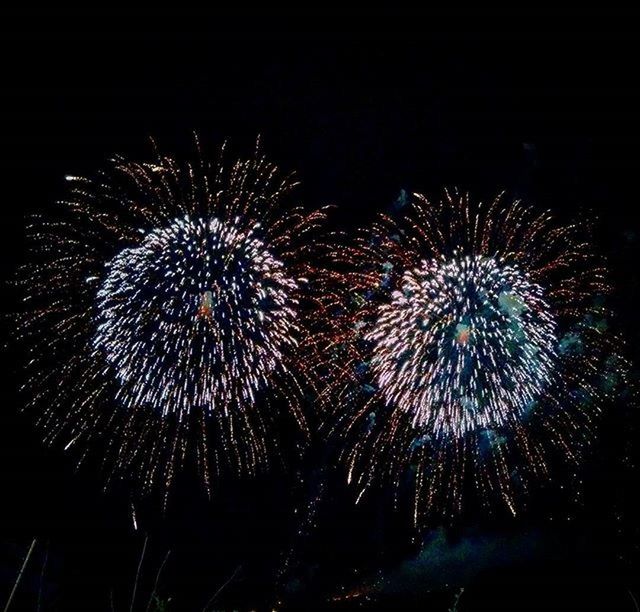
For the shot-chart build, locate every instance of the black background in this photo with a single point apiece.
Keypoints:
(545, 106)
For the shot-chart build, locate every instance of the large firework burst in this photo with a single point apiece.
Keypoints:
(165, 306)
(466, 343)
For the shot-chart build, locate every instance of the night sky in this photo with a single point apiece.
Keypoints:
(545, 107)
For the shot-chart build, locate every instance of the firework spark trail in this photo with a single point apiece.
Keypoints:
(465, 343)
(165, 307)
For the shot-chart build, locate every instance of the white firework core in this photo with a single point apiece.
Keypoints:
(467, 343)
(195, 317)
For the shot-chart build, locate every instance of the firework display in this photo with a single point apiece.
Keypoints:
(467, 345)
(166, 304)
(463, 345)
(199, 348)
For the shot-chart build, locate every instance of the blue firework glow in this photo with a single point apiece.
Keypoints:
(166, 303)
(466, 344)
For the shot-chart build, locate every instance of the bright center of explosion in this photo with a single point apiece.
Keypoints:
(465, 344)
(196, 316)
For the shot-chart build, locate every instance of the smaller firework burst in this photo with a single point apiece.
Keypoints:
(463, 344)
(166, 306)
(466, 344)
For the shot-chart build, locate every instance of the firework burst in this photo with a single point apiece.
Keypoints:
(466, 345)
(166, 304)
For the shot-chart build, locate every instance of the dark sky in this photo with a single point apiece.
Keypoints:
(545, 106)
